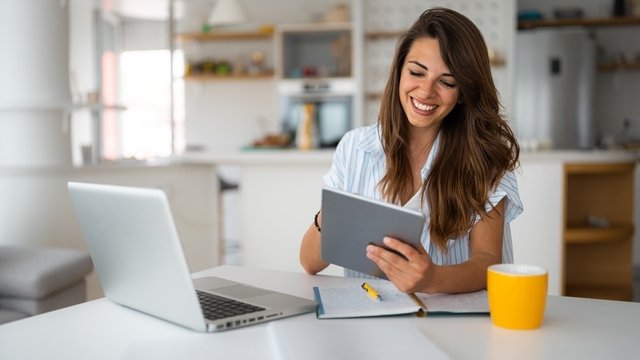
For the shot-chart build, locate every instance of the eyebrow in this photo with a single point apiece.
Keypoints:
(426, 68)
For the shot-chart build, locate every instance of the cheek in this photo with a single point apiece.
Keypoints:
(451, 98)
(403, 86)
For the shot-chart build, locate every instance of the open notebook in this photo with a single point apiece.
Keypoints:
(353, 301)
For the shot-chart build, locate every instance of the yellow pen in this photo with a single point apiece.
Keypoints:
(371, 291)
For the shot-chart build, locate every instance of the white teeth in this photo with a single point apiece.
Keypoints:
(423, 107)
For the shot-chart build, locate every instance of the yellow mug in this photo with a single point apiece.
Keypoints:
(517, 295)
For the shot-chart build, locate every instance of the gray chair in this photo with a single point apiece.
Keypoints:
(35, 279)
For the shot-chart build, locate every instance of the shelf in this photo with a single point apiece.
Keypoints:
(315, 27)
(614, 21)
(599, 169)
(586, 235)
(230, 77)
(618, 66)
(225, 35)
(97, 107)
(622, 293)
(383, 34)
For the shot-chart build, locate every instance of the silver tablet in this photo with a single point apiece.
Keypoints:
(350, 222)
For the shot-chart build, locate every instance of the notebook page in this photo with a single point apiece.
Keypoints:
(355, 302)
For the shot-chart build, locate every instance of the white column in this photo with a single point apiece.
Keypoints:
(34, 85)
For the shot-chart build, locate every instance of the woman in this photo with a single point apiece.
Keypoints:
(441, 147)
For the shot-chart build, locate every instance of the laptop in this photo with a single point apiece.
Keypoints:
(139, 260)
(350, 222)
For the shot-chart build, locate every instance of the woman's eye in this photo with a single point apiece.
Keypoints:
(414, 73)
(448, 84)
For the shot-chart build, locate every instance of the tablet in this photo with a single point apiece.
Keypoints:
(350, 222)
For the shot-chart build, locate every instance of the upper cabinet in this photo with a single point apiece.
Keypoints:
(316, 50)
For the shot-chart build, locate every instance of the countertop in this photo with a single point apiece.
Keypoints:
(324, 157)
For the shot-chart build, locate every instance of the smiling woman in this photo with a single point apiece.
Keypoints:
(440, 147)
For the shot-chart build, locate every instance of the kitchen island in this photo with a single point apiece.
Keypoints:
(280, 191)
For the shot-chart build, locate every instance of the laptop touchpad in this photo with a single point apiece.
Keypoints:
(241, 291)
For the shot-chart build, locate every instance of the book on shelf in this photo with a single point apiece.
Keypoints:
(354, 301)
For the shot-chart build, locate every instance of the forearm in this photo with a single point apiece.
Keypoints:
(310, 252)
(468, 276)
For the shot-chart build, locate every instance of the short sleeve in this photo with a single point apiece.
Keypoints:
(508, 187)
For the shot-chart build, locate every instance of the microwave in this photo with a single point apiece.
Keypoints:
(332, 112)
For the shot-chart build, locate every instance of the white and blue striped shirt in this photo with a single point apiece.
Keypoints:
(359, 164)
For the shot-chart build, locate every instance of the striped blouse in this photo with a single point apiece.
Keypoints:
(358, 166)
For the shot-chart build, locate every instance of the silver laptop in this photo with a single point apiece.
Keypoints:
(137, 254)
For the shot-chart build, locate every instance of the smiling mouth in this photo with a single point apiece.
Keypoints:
(421, 106)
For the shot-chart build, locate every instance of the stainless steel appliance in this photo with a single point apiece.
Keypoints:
(555, 88)
(332, 104)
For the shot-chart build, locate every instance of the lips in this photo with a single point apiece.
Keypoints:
(422, 106)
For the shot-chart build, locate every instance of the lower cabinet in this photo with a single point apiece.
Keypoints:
(598, 230)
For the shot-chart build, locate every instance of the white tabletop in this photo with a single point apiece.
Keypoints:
(573, 328)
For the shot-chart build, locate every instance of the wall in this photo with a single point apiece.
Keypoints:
(36, 208)
(34, 91)
(615, 98)
(227, 115)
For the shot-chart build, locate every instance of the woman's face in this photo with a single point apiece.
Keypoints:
(428, 90)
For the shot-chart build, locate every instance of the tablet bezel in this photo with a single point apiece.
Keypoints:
(350, 222)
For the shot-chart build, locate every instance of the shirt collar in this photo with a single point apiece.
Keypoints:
(432, 154)
(372, 144)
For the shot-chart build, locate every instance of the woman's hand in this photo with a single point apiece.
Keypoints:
(413, 273)
(417, 273)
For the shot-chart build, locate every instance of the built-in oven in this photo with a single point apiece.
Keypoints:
(329, 103)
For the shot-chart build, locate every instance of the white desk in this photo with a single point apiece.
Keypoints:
(573, 329)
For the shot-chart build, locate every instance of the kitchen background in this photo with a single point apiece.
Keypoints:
(147, 80)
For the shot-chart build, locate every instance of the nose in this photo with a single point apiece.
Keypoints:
(428, 86)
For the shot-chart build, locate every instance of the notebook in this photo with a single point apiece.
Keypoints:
(139, 259)
(350, 222)
(353, 302)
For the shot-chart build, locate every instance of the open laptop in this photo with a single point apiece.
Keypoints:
(137, 254)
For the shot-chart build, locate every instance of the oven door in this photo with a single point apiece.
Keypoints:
(332, 116)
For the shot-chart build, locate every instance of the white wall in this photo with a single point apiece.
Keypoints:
(228, 115)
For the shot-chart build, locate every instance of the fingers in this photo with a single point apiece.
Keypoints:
(389, 261)
(407, 272)
(408, 251)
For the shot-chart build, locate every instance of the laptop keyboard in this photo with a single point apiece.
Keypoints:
(217, 307)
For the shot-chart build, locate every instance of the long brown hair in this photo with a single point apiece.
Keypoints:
(477, 147)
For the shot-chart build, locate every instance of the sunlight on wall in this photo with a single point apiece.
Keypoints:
(145, 89)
